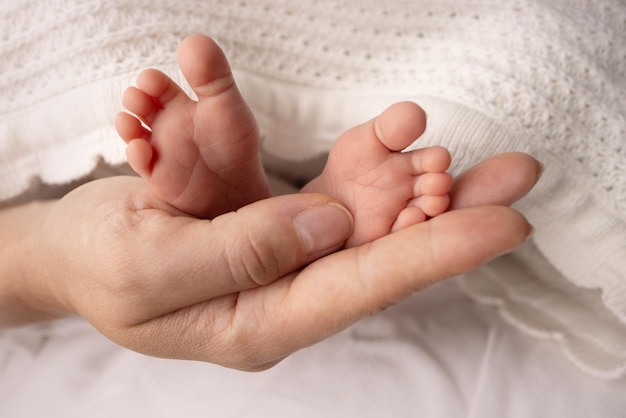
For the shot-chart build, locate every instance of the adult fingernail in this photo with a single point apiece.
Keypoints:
(323, 228)
(540, 170)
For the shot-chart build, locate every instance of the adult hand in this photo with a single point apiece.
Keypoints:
(229, 290)
(335, 291)
(114, 253)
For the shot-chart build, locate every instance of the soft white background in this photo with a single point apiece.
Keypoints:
(435, 355)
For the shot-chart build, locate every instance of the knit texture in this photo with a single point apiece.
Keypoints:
(545, 77)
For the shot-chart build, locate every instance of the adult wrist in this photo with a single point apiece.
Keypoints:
(25, 294)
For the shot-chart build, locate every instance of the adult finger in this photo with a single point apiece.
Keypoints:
(198, 260)
(257, 328)
(499, 180)
(358, 282)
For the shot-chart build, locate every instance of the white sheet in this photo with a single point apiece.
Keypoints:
(435, 355)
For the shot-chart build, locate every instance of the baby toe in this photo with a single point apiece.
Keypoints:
(407, 217)
(432, 184)
(431, 205)
(400, 125)
(158, 86)
(431, 159)
(140, 104)
(206, 67)
(139, 154)
(128, 127)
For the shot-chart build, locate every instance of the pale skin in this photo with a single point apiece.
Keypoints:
(194, 154)
(248, 287)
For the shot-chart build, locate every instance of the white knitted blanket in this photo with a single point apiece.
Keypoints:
(546, 77)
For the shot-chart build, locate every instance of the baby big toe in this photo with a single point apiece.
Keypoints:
(400, 125)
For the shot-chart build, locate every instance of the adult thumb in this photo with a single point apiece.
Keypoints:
(252, 247)
(276, 236)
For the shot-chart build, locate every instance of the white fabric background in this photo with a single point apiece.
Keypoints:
(435, 355)
(538, 76)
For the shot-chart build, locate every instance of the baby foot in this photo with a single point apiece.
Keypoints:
(202, 156)
(386, 189)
